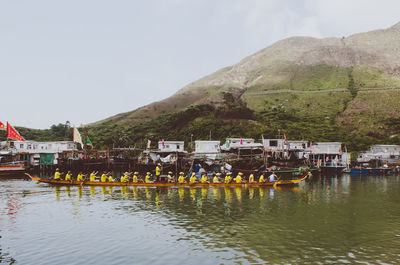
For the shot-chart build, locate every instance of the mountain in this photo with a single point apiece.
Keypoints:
(320, 89)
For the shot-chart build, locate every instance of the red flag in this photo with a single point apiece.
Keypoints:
(162, 142)
(241, 140)
(2, 127)
(340, 150)
(13, 134)
(285, 137)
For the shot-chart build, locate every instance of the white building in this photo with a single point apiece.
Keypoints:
(171, 146)
(274, 144)
(280, 145)
(39, 152)
(207, 147)
(389, 153)
(328, 148)
(240, 143)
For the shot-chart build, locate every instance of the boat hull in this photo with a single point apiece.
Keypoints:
(162, 184)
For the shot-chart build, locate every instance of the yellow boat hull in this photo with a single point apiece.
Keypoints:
(163, 184)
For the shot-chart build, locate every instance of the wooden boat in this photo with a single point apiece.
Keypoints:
(166, 184)
(12, 169)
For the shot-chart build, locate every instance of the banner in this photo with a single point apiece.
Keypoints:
(77, 137)
(148, 143)
(228, 144)
(2, 127)
(13, 134)
(88, 142)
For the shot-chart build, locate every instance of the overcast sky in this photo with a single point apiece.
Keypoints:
(85, 60)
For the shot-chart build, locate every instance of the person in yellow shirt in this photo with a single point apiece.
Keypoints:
(204, 179)
(125, 177)
(158, 172)
(193, 178)
(68, 176)
(181, 178)
(238, 178)
(103, 177)
(261, 179)
(110, 179)
(79, 177)
(216, 178)
(135, 177)
(57, 174)
(147, 179)
(251, 178)
(228, 178)
(93, 176)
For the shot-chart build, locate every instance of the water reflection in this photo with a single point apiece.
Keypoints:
(336, 219)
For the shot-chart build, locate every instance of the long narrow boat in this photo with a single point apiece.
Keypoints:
(165, 184)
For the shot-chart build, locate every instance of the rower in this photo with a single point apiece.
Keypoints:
(216, 178)
(204, 179)
(181, 178)
(251, 178)
(111, 179)
(261, 179)
(147, 178)
(57, 174)
(135, 177)
(103, 177)
(169, 177)
(125, 177)
(272, 177)
(93, 176)
(228, 178)
(79, 177)
(238, 178)
(68, 176)
(158, 172)
(193, 178)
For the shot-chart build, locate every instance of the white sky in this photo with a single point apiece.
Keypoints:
(85, 60)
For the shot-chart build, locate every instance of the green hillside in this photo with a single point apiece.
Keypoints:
(333, 89)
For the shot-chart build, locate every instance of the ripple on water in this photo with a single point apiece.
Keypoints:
(321, 222)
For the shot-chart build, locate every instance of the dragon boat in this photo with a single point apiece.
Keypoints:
(168, 184)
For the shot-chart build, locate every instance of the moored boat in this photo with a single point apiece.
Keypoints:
(166, 184)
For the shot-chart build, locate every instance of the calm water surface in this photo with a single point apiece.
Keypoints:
(331, 220)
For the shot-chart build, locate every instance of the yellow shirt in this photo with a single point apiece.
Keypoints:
(110, 179)
(251, 178)
(125, 178)
(192, 179)
(215, 179)
(261, 179)
(158, 171)
(79, 177)
(103, 178)
(238, 179)
(227, 179)
(134, 179)
(147, 179)
(67, 177)
(181, 179)
(92, 177)
(57, 175)
(204, 179)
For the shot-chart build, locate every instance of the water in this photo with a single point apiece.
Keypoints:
(331, 220)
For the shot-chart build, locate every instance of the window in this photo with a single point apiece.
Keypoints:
(177, 146)
(21, 146)
(273, 143)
